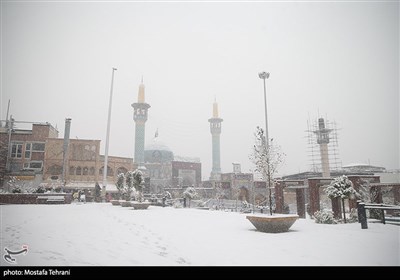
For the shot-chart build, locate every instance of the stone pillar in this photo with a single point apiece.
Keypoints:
(301, 203)
(279, 200)
(313, 186)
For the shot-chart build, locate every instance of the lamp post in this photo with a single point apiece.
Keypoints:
(105, 169)
(264, 76)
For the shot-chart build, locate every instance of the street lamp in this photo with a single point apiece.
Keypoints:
(265, 75)
(105, 169)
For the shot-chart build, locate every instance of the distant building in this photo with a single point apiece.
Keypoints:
(84, 164)
(363, 168)
(35, 157)
(22, 152)
(165, 172)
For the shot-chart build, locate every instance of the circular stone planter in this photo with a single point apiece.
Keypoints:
(125, 203)
(272, 224)
(140, 205)
(114, 202)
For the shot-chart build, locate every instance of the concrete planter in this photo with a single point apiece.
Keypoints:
(140, 205)
(272, 224)
(114, 202)
(125, 203)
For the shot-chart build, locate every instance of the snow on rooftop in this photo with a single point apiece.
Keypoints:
(97, 234)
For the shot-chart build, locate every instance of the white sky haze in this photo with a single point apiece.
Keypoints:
(338, 59)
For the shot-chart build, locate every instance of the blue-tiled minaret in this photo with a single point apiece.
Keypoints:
(215, 128)
(140, 117)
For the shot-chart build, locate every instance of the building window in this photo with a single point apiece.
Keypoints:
(28, 147)
(71, 170)
(16, 150)
(78, 170)
(38, 147)
(109, 171)
(91, 171)
(36, 164)
(85, 171)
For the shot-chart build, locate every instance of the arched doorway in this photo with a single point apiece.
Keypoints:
(243, 194)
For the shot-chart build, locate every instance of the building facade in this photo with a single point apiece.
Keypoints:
(22, 152)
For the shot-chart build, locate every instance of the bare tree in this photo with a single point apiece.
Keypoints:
(266, 159)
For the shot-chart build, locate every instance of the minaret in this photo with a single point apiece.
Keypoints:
(140, 117)
(215, 128)
(323, 140)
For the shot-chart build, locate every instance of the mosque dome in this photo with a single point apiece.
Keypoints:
(157, 152)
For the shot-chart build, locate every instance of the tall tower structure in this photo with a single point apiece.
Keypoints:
(140, 117)
(215, 128)
(323, 140)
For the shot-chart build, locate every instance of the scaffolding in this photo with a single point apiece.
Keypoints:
(313, 149)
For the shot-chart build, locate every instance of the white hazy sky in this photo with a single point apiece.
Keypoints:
(336, 59)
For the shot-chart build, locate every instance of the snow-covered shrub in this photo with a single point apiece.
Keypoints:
(168, 195)
(40, 189)
(324, 217)
(190, 193)
(16, 189)
(177, 204)
(353, 216)
(245, 204)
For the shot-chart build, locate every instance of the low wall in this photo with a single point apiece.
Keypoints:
(30, 198)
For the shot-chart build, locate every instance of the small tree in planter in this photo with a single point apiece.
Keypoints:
(97, 192)
(190, 193)
(266, 158)
(341, 187)
(129, 184)
(120, 184)
(138, 182)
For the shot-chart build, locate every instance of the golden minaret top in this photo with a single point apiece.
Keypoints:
(141, 92)
(215, 109)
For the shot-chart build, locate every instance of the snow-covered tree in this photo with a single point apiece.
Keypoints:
(341, 187)
(190, 193)
(129, 179)
(138, 183)
(97, 192)
(120, 184)
(266, 159)
(168, 195)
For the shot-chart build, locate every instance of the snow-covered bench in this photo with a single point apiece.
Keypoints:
(55, 199)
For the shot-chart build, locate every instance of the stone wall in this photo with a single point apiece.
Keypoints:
(30, 198)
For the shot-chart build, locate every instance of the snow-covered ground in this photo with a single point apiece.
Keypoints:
(102, 234)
